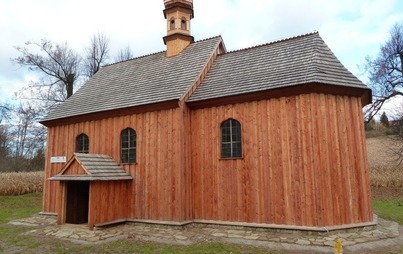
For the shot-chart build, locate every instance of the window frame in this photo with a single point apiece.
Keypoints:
(82, 142)
(172, 25)
(128, 146)
(184, 25)
(235, 149)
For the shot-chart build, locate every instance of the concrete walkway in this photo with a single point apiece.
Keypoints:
(384, 236)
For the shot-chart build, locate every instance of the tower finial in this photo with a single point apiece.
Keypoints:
(178, 14)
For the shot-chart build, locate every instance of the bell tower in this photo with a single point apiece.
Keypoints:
(178, 14)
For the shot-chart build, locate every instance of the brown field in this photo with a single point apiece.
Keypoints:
(385, 173)
(384, 168)
(20, 183)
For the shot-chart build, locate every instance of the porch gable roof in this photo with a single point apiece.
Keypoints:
(91, 167)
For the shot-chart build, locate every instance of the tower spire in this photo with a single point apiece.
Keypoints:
(178, 14)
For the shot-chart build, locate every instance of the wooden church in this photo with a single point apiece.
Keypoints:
(268, 136)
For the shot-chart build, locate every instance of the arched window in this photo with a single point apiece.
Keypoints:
(183, 24)
(128, 146)
(172, 24)
(82, 143)
(231, 141)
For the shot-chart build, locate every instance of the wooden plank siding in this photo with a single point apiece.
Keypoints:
(156, 191)
(304, 163)
(108, 201)
(75, 169)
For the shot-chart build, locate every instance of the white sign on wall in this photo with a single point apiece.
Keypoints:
(58, 159)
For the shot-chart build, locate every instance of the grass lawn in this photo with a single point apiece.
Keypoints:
(389, 209)
(12, 239)
(16, 207)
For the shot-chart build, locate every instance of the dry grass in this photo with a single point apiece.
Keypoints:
(20, 183)
(386, 178)
(384, 170)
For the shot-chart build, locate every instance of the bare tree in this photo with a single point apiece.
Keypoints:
(28, 135)
(4, 148)
(97, 54)
(22, 139)
(386, 72)
(58, 64)
(124, 54)
(4, 112)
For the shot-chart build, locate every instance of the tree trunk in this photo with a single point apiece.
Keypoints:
(70, 83)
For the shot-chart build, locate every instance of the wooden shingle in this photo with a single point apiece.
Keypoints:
(141, 81)
(291, 62)
(91, 167)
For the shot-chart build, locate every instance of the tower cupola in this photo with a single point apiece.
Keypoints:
(178, 14)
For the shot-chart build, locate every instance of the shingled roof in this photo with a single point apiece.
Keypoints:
(299, 60)
(155, 78)
(93, 167)
(140, 81)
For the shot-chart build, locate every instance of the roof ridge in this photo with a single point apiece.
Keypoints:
(134, 58)
(209, 38)
(91, 154)
(159, 52)
(275, 42)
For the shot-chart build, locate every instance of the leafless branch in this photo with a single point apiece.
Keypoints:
(124, 54)
(57, 62)
(97, 54)
(386, 72)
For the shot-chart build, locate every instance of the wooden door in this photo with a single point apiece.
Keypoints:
(77, 202)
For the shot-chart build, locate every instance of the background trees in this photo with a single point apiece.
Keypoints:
(386, 72)
(97, 54)
(60, 67)
(4, 147)
(124, 54)
(384, 119)
(22, 139)
(60, 71)
(386, 80)
(4, 112)
(57, 65)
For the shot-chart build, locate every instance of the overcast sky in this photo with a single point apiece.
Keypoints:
(353, 29)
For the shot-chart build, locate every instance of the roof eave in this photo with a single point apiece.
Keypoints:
(286, 91)
(88, 178)
(170, 104)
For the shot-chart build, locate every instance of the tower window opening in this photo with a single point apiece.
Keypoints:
(172, 25)
(183, 24)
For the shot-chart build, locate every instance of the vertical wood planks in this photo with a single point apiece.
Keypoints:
(303, 163)
(155, 193)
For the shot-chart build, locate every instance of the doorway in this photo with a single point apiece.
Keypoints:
(77, 202)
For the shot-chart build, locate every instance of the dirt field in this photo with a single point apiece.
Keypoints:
(385, 172)
(382, 152)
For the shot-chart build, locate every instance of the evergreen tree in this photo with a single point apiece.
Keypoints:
(384, 120)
